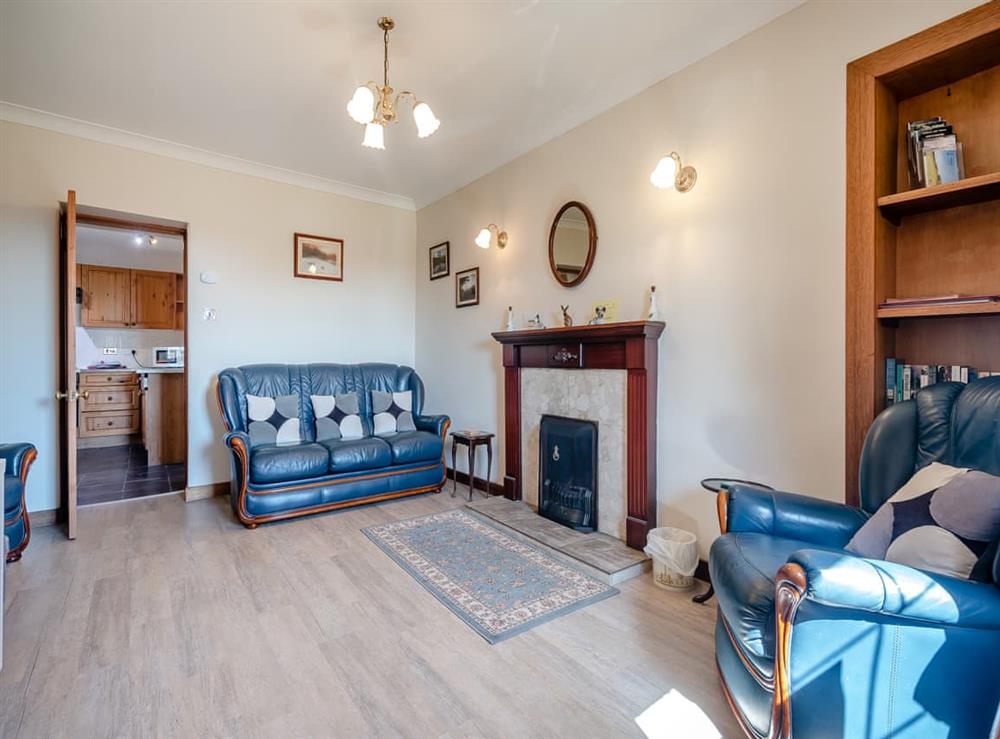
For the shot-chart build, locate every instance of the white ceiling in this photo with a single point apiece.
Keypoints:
(93, 238)
(268, 82)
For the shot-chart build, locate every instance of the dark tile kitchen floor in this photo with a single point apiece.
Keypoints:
(113, 473)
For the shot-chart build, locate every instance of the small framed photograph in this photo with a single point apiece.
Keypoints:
(440, 261)
(467, 287)
(319, 257)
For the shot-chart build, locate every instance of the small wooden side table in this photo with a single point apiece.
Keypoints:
(473, 440)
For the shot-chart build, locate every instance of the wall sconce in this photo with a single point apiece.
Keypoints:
(670, 172)
(485, 236)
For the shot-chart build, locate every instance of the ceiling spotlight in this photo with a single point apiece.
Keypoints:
(373, 105)
(137, 240)
(153, 240)
(484, 237)
(670, 173)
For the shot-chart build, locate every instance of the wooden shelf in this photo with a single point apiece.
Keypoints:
(934, 311)
(964, 192)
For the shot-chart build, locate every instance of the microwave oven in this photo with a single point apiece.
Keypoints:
(168, 356)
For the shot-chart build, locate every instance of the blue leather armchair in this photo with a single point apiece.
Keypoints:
(16, 526)
(813, 641)
(272, 482)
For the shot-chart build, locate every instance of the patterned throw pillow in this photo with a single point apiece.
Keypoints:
(337, 416)
(943, 520)
(273, 420)
(393, 412)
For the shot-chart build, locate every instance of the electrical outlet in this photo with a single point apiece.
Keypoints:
(110, 350)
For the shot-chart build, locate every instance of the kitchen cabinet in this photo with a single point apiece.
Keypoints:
(113, 297)
(106, 296)
(164, 417)
(109, 403)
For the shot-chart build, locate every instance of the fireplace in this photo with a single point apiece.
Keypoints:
(567, 466)
(622, 355)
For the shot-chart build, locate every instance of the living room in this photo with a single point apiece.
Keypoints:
(736, 173)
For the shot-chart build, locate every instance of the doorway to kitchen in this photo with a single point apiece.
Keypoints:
(129, 346)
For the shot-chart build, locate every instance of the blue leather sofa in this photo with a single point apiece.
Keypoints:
(812, 641)
(15, 513)
(272, 482)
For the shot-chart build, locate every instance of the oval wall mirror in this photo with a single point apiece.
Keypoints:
(572, 244)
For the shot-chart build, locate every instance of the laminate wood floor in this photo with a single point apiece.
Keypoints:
(167, 619)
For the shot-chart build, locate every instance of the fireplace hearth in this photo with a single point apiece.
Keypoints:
(567, 480)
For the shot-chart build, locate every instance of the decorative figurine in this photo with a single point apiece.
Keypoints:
(536, 321)
(599, 311)
(510, 319)
(567, 318)
(653, 314)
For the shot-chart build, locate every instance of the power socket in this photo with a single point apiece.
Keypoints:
(110, 350)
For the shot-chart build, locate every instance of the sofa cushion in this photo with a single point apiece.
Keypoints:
(351, 455)
(273, 420)
(288, 462)
(943, 520)
(742, 568)
(392, 412)
(414, 446)
(11, 497)
(337, 416)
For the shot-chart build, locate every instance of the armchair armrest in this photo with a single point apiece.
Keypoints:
(17, 455)
(842, 580)
(435, 424)
(234, 438)
(752, 509)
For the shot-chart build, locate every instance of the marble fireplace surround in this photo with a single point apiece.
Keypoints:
(605, 373)
(589, 396)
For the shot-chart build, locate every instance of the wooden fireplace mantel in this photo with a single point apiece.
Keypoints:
(629, 346)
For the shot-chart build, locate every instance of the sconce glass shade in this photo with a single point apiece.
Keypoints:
(483, 239)
(361, 108)
(423, 116)
(374, 138)
(664, 174)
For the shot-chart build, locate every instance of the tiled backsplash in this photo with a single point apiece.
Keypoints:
(90, 343)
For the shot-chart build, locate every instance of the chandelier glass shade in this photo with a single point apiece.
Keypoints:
(374, 105)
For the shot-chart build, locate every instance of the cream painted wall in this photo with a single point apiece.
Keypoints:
(749, 266)
(240, 227)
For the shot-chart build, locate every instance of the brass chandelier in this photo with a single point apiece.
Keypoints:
(374, 106)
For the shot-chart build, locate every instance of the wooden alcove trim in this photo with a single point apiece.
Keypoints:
(591, 247)
(936, 56)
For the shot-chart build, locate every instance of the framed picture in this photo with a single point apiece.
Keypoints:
(440, 261)
(319, 257)
(467, 287)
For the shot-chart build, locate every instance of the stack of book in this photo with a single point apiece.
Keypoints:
(902, 381)
(938, 300)
(933, 153)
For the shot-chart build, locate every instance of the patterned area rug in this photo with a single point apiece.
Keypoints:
(496, 584)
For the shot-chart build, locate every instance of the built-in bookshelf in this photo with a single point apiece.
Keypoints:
(920, 244)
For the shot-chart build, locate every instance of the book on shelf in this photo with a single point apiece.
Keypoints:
(903, 381)
(933, 153)
(938, 300)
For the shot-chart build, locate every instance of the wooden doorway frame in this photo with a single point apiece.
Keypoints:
(87, 215)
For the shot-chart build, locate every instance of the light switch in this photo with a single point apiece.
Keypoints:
(208, 278)
(209, 314)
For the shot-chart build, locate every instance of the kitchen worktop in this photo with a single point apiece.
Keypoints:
(137, 370)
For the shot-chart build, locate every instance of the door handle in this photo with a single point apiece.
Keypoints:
(73, 395)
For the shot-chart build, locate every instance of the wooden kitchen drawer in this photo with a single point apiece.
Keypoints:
(106, 379)
(110, 398)
(107, 423)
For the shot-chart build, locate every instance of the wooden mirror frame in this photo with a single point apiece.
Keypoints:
(591, 249)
